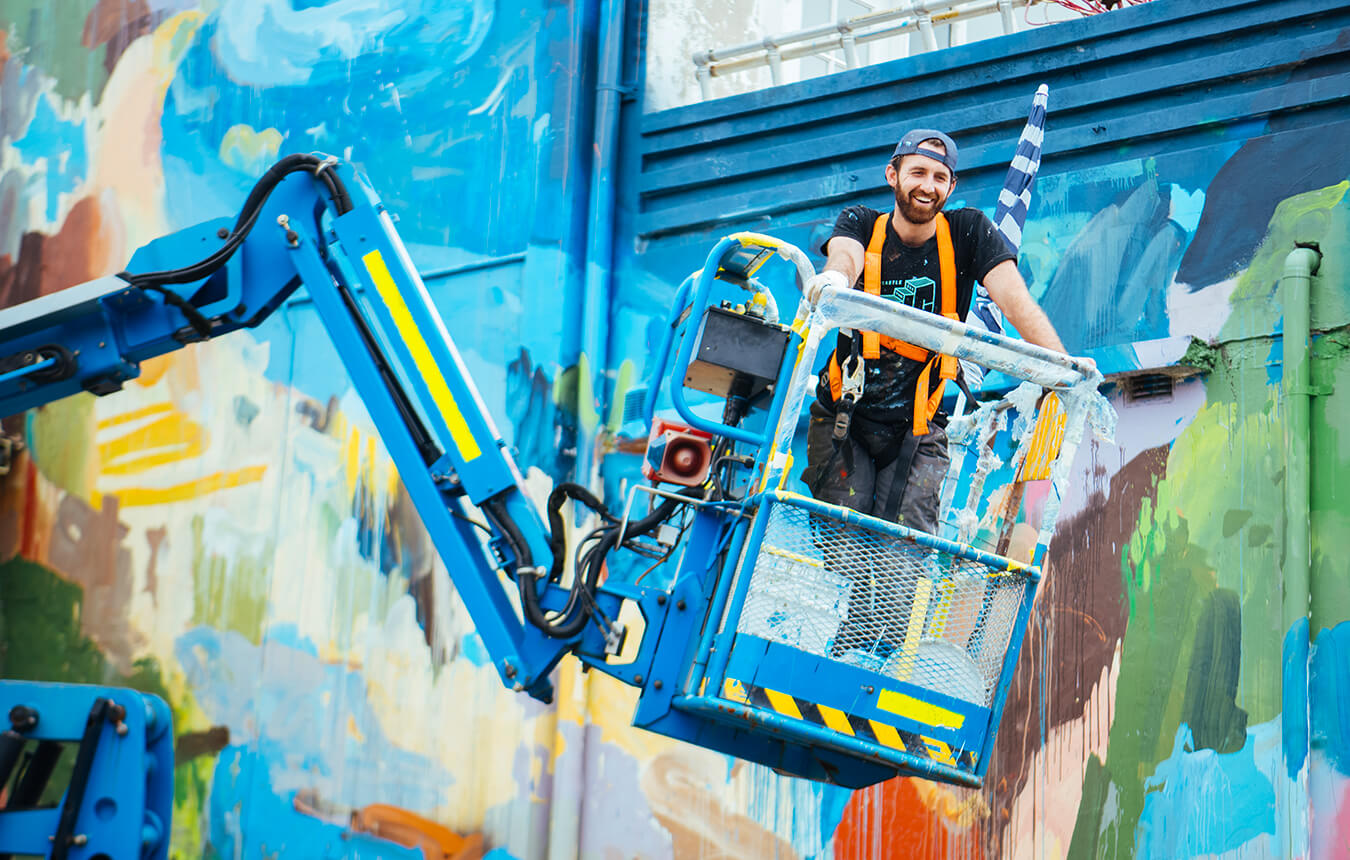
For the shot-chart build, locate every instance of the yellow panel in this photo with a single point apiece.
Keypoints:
(783, 703)
(918, 710)
(887, 735)
(836, 719)
(421, 354)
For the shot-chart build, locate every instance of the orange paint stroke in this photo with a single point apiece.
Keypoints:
(140, 496)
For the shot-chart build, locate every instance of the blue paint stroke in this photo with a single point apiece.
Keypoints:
(270, 43)
(1294, 706)
(293, 710)
(61, 143)
(1205, 803)
(250, 817)
(1329, 691)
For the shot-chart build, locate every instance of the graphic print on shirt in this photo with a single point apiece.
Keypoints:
(919, 293)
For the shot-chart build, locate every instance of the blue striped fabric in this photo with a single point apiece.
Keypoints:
(1010, 217)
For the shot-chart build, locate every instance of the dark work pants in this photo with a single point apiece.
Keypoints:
(877, 614)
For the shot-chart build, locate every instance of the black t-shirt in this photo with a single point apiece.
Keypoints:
(911, 275)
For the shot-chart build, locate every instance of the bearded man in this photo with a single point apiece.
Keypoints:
(883, 450)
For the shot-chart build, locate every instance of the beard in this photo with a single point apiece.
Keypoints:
(915, 212)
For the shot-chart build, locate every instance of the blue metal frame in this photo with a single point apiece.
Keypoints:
(126, 806)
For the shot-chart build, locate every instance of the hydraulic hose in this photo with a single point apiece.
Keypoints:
(248, 217)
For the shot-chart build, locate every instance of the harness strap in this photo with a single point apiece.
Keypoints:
(926, 403)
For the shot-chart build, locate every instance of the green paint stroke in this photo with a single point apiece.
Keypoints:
(228, 593)
(1209, 708)
(61, 441)
(1201, 576)
(1321, 216)
(1226, 478)
(50, 36)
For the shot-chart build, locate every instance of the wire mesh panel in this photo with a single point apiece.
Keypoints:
(863, 596)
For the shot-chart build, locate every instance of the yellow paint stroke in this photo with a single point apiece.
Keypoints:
(734, 690)
(141, 496)
(942, 753)
(170, 439)
(354, 731)
(248, 150)
(135, 415)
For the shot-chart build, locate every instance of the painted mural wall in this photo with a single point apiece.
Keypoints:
(229, 533)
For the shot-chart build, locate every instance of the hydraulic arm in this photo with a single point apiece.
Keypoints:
(738, 646)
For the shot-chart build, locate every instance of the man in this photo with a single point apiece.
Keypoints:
(883, 450)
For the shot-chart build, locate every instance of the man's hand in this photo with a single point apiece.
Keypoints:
(827, 278)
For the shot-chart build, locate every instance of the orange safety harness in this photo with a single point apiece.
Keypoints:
(925, 403)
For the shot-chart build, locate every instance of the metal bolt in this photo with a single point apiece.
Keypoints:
(79, 839)
(101, 344)
(867, 688)
(637, 679)
(283, 221)
(679, 604)
(657, 684)
(660, 600)
(222, 233)
(23, 718)
(509, 670)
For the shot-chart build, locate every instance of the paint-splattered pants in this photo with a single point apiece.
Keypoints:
(878, 599)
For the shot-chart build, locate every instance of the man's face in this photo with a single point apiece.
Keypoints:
(921, 184)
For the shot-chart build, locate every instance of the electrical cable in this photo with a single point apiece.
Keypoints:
(244, 223)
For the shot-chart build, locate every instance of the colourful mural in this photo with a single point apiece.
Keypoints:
(229, 533)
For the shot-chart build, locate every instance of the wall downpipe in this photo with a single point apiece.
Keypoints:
(1296, 296)
(599, 245)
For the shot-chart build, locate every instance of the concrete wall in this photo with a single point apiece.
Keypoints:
(229, 533)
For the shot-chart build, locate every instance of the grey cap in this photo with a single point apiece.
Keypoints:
(909, 145)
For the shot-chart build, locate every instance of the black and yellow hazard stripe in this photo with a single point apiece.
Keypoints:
(863, 728)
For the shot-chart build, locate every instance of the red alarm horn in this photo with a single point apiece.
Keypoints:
(677, 454)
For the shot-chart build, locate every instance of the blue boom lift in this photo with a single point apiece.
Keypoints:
(737, 649)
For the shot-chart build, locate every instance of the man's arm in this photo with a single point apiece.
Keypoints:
(1009, 292)
(845, 257)
(842, 265)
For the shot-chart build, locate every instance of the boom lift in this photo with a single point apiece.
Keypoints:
(737, 651)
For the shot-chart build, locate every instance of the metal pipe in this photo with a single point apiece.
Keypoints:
(722, 62)
(1296, 292)
(591, 387)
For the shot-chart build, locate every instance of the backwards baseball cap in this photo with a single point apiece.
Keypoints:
(909, 145)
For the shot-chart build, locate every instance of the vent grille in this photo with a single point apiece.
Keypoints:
(1148, 386)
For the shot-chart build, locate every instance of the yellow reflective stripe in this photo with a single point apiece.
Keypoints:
(783, 703)
(918, 710)
(421, 354)
(735, 691)
(887, 735)
(835, 719)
